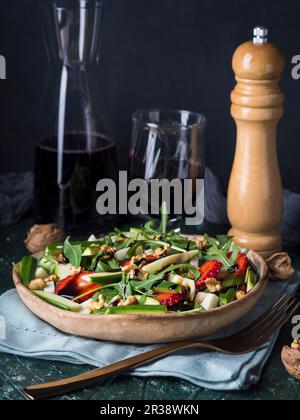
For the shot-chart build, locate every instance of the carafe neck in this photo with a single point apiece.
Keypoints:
(73, 31)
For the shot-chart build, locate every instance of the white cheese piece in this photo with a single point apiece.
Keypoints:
(207, 300)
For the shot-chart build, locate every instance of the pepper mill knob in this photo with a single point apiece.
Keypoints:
(255, 188)
(260, 35)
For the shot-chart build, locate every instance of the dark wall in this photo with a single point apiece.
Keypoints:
(166, 53)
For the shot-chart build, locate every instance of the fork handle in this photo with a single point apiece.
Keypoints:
(65, 386)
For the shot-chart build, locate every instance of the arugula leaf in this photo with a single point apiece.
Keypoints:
(232, 281)
(235, 252)
(119, 233)
(142, 300)
(114, 264)
(149, 228)
(102, 267)
(168, 286)
(73, 253)
(152, 280)
(127, 243)
(195, 271)
(224, 241)
(151, 243)
(227, 297)
(108, 294)
(27, 269)
(217, 253)
(178, 241)
(124, 287)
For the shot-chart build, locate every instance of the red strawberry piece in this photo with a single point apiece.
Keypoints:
(152, 258)
(205, 267)
(209, 270)
(74, 286)
(242, 262)
(169, 299)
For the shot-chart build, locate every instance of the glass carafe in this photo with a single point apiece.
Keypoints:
(76, 149)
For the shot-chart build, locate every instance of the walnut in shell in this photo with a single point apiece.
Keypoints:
(291, 360)
(280, 266)
(40, 236)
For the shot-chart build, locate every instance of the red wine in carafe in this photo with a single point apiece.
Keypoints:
(65, 182)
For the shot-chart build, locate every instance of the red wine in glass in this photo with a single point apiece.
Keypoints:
(65, 183)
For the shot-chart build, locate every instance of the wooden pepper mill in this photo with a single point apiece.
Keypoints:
(255, 200)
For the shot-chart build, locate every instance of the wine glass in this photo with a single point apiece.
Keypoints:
(168, 145)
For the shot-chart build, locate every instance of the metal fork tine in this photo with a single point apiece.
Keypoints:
(270, 322)
(260, 329)
(258, 341)
(276, 326)
(277, 306)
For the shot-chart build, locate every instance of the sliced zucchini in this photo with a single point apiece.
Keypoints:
(160, 265)
(58, 301)
(63, 271)
(250, 279)
(148, 301)
(135, 309)
(48, 264)
(90, 251)
(103, 278)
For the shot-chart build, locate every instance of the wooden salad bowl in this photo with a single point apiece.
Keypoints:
(147, 328)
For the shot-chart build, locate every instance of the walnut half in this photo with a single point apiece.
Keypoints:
(280, 266)
(40, 236)
(291, 360)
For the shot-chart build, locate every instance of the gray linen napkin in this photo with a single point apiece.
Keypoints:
(28, 336)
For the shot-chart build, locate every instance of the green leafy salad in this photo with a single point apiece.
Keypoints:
(140, 271)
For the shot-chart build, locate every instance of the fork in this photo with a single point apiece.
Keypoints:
(254, 336)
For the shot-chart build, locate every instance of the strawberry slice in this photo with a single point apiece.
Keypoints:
(75, 286)
(209, 270)
(205, 267)
(152, 258)
(242, 262)
(169, 299)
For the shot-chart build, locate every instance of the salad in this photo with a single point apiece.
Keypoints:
(143, 270)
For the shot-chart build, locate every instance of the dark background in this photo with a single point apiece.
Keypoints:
(155, 53)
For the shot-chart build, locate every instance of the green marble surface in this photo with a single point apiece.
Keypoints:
(18, 372)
